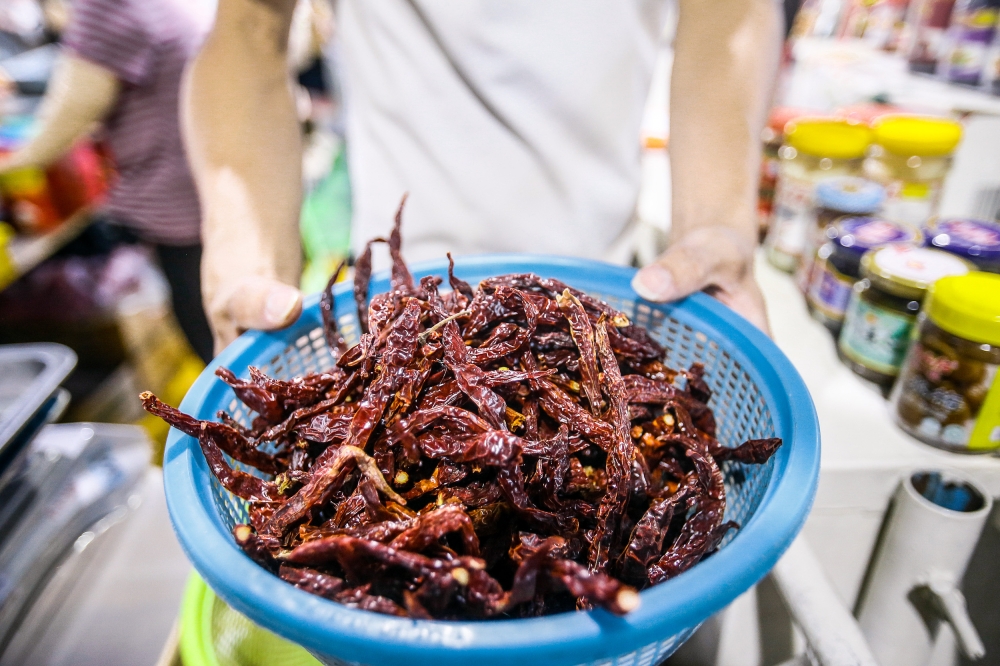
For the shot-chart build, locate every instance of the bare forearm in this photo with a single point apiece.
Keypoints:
(726, 57)
(244, 145)
(80, 94)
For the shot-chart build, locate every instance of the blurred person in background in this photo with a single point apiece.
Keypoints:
(514, 126)
(120, 70)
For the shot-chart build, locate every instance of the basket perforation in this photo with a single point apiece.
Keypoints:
(738, 405)
(696, 331)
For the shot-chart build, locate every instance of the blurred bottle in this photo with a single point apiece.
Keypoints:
(879, 23)
(991, 71)
(971, 34)
(930, 26)
(772, 137)
(815, 149)
(816, 18)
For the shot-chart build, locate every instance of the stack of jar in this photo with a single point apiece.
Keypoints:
(866, 250)
(772, 139)
(815, 149)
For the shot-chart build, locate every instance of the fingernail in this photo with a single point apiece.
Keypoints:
(654, 283)
(281, 302)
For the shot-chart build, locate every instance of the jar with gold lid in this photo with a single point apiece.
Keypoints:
(948, 393)
(884, 305)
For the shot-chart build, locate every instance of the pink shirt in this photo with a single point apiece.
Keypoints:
(146, 44)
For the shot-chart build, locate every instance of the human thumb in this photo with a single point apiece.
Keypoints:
(681, 270)
(264, 303)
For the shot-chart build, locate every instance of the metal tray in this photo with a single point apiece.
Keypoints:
(29, 375)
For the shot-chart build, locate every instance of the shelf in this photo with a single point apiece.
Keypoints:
(26, 252)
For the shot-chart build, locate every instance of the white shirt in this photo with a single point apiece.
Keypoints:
(513, 124)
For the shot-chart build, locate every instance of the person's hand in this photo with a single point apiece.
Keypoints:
(251, 302)
(715, 259)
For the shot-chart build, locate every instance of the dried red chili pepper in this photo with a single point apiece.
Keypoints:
(620, 455)
(582, 332)
(521, 412)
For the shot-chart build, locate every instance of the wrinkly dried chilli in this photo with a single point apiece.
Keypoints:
(512, 450)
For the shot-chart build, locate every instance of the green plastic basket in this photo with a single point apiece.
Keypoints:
(213, 634)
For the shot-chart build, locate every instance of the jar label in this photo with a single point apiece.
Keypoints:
(912, 202)
(944, 398)
(829, 290)
(792, 214)
(875, 337)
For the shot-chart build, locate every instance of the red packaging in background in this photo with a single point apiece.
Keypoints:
(932, 18)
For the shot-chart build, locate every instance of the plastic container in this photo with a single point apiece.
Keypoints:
(758, 394)
(815, 149)
(213, 634)
(837, 198)
(838, 263)
(884, 304)
(29, 377)
(977, 241)
(911, 158)
(930, 532)
(948, 394)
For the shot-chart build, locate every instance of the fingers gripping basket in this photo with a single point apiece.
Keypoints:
(757, 394)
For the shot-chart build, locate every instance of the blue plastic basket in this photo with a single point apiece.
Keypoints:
(757, 393)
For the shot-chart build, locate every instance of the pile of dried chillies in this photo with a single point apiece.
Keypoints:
(514, 450)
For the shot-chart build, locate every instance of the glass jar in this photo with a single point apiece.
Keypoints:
(948, 394)
(836, 198)
(911, 157)
(975, 240)
(838, 263)
(884, 304)
(815, 149)
(772, 137)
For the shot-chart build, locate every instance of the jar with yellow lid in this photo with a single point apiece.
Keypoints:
(911, 157)
(883, 307)
(772, 138)
(948, 394)
(815, 149)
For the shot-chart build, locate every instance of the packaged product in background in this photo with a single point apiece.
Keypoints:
(37, 200)
(837, 265)
(977, 241)
(991, 70)
(29, 201)
(772, 138)
(845, 196)
(911, 157)
(971, 35)
(815, 149)
(884, 305)
(926, 44)
(948, 393)
(854, 18)
(816, 18)
(884, 29)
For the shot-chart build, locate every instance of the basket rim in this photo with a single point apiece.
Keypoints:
(673, 607)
